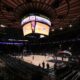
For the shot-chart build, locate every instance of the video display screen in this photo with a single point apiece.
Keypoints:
(42, 28)
(27, 29)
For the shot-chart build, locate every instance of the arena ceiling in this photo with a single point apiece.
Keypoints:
(62, 13)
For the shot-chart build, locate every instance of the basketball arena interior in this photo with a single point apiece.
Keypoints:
(39, 39)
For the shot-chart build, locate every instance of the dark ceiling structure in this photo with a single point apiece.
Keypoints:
(62, 14)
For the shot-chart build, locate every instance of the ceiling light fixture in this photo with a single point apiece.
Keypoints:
(70, 25)
(52, 30)
(61, 28)
(2, 26)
